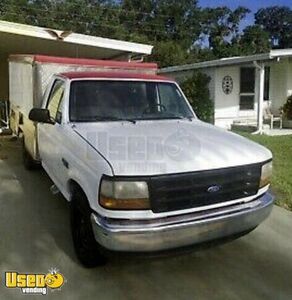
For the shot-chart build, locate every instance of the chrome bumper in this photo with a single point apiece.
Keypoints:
(179, 231)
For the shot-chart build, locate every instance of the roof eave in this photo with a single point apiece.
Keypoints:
(218, 63)
(74, 38)
(281, 53)
(273, 54)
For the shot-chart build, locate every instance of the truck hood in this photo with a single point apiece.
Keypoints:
(168, 146)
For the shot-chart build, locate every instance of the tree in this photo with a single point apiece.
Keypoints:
(221, 26)
(164, 20)
(169, 53)
(254, 40)
(196, 89)
(277, 21)
(287, 108)
(12, 10)
(99, 18)
(199, 53)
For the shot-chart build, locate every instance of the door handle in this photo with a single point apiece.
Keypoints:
(65, 163)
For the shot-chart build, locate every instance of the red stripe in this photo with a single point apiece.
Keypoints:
(122, 75)
(88, 62)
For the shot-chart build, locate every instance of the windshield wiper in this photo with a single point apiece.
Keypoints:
(163, 118)
(111, 118)
(189, 118)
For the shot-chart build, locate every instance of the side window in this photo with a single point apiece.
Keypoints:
(55, 100)
(169, 98)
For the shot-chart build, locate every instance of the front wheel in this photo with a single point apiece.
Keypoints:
(86, 248)
(28, 162)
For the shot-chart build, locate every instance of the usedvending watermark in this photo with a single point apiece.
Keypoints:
(150, 152)
(35, 283)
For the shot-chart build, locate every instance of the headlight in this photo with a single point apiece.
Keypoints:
(266, 174)
(124, 195)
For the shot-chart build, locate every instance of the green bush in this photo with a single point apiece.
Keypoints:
(287, 108)
(197, 91)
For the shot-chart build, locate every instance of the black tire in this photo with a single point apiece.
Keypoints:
(86, 248)
(28, 162)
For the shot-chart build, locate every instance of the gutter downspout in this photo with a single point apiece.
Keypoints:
(261, 68)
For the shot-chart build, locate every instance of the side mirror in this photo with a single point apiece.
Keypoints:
(40, 115)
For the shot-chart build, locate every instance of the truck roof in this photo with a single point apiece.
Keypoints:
(114, 75)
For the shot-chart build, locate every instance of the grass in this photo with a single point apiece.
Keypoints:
(281, 147)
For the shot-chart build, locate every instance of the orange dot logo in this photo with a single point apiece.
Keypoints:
(54, 280)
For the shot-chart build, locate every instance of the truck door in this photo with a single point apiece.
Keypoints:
(51, 135)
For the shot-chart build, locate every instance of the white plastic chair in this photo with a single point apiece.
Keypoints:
(272, 118)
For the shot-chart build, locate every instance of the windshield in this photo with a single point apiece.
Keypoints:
(126, 100)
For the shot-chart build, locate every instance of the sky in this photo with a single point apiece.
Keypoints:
(253, 5)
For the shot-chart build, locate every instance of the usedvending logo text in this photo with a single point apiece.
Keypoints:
(35, 283)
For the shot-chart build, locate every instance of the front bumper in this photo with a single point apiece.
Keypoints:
(180, 231)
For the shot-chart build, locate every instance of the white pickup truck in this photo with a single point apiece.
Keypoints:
(141, 172)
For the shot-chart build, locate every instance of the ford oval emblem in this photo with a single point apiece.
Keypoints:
(214, 189)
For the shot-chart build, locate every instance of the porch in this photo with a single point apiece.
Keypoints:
(259, 90)
(277, 132)
(250, 125)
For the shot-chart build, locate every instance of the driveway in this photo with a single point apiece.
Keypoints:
(35, 236)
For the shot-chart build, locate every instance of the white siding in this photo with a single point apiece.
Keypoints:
(280, 83)
(289, 78)
(21, 86)
(226, 105)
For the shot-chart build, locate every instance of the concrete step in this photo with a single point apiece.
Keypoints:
(5, 131)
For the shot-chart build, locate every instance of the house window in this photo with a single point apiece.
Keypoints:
(247, 88)
(267, 84)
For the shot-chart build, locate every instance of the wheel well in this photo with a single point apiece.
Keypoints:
(74, 187)
(77, 195)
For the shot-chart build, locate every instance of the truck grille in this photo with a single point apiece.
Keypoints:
(190, 190)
